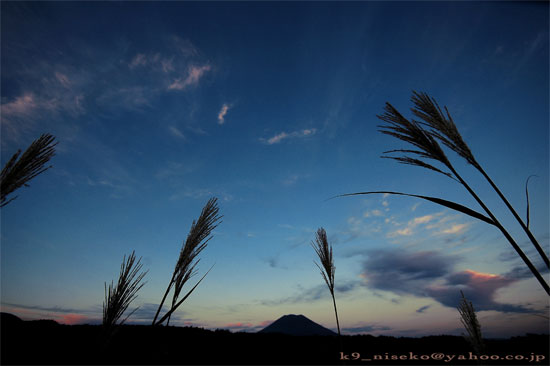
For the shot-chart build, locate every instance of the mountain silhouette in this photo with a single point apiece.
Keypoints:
(297, 325)
(7, 319)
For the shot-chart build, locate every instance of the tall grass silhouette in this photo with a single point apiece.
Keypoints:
(18, 172)
(327, 268)
(469, 320)
(445, 130)
(197, 239)
(423, 135)
(119, 297)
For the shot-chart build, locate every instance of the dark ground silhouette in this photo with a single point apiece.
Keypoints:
(46, 342)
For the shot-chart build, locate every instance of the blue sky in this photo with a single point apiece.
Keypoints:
(271, 107)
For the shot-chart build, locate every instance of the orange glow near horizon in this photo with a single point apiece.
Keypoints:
(482, 276)
(72, 319)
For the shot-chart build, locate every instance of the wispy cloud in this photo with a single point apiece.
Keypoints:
(167, 65)
(63, 79)
(285, 226)
(289, 135)
(174, 172)
(19, 115)
(22, 106)
(118, 190)
(455, 229)
(436, 224)
(411, 225)
(154, 61)
(130, 98)
(293, 179)
(357, 227)
(139, 60)
(222, 113)
(194, 74)
(184, 47)
(313, 294)
(365, 329)
(46, 93)
(532, 47)
(371, 213)
(274, 262)
(176, 132)
(401, 232)
(522, 272)
(200, 194)
(422, 219)
(55, 90)
(104, 167)
(423, 309)
(277, 138)
(195, 194)
(446, 225)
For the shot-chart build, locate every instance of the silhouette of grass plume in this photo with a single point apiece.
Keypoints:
(423, 135)
(469, 320)
(119, 297)
(444, 129)
(197, 239)
(327, 268)
(18, 172)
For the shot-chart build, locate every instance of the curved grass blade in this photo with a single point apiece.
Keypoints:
(449, 204)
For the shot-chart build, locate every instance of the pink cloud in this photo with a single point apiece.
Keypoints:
(27, 105)
(18, 115)
(487, 281)
(195, 73)
(223, 112)
(284, 135)
(277, 138)
(22, 105)
(72, 319)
